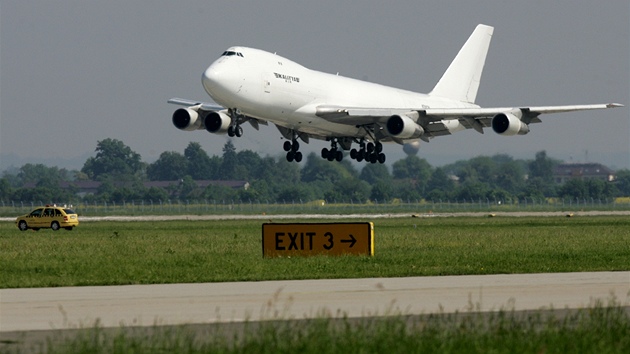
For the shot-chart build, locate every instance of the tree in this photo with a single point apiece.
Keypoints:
(228, 169)
(382, 191)
(439, 186)
(375, 172)
(318, 169)
(170, 166)
(42, 175)
(113, 160)
(6, 192)
(472, 190)
(249, 165)
(541, 167)
(417, 171)
(200, 165)
(510, 177)
(349, 189)
(622, 182)
(411, 167)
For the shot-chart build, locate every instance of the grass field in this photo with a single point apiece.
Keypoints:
(113, 253)
(110, 253)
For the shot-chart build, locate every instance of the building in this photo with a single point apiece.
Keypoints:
(567, 171)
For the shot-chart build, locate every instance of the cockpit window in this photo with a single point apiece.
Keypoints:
(229, 53)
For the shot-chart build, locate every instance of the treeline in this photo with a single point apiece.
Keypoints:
(271, 179)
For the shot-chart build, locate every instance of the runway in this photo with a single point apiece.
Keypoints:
(23, 310)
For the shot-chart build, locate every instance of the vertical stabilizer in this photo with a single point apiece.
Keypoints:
(461, 79)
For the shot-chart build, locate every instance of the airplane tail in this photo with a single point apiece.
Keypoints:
(461, 79)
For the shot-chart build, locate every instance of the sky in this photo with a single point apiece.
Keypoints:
(73, 73)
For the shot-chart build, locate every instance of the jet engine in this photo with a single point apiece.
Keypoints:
(508, 124)
(403, 127)
(186, 119)
(217, 122)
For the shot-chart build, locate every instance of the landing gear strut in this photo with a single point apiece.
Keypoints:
(292, 148)
(237, 118)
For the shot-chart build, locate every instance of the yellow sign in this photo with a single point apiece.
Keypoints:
(281, 240)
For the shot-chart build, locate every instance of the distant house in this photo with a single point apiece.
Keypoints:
(91, 187)
(564, 172)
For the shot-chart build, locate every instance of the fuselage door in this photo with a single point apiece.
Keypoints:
(266, 79)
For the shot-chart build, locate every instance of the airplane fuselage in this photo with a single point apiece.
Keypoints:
(272, 88)
(251, 85)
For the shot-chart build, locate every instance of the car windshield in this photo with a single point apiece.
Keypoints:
(69, 211)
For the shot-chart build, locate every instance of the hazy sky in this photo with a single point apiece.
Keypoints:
(76, 72)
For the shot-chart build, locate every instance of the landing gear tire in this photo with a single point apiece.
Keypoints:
(338, 155)
(292, 147)
(235, 131)
(294, 156)
(381, 157)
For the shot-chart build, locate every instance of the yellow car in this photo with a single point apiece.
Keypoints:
(49, 216)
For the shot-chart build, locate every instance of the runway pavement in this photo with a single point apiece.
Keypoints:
(173, 304)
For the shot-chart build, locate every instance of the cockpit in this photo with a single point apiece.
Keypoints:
(229, 53)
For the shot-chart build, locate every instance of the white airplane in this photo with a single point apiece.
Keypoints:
(258, 87)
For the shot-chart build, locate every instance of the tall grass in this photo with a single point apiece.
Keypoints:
(599, 329)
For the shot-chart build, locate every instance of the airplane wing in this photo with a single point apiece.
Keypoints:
(203, 109)
(436, 121)
(210, 107)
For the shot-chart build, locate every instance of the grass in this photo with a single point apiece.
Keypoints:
(599, 329)
(116, 253)
(112, 253)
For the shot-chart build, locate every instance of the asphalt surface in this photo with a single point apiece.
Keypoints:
(173, 304)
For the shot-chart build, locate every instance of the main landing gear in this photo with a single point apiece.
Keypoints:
(334, 153)
(292, 148)
(370, 152)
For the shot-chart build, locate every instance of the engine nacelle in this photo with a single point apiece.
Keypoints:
(508, 124)
(403, 127)
(186, 119)
(217, 122)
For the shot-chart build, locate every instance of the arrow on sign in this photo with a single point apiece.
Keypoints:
(351, 241)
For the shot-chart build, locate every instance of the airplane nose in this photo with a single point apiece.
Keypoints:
(210, 79)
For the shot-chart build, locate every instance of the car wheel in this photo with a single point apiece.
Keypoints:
(22, 225)
(69, 228)
(54, 226)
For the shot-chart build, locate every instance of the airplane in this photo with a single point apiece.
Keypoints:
(258, 87)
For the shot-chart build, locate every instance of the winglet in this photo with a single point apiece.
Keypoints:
(614, 105)
(461, 79)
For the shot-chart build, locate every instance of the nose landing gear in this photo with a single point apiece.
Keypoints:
(235, 130)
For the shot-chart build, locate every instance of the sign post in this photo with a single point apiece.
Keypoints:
(308, 239)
